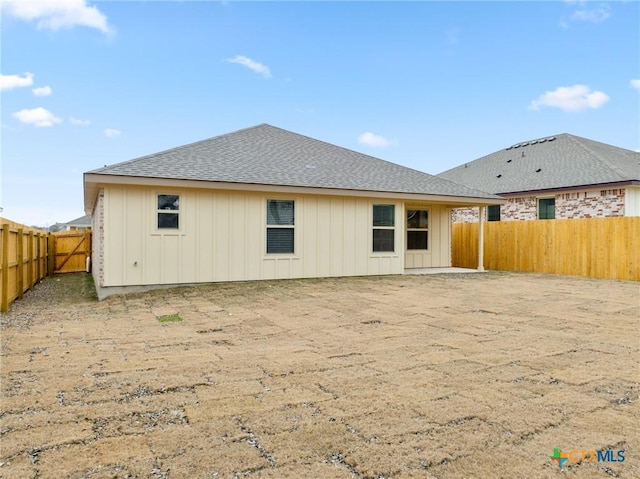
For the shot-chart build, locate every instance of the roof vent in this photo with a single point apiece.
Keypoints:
(509, 160)
(499, 176)
(551, 139)
(542, 140)
(524, 144)
(533, 142)
(538, 170)
(517, 146)
(509, 147)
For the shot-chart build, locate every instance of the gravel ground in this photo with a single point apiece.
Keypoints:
(439, 376)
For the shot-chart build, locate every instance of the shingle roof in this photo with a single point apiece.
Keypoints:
(82, 221)
(267, 155)
(555, 162)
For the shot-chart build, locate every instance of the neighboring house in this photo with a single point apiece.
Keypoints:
(55, 227)
(563, 176)
(79, 224)
(265, 203)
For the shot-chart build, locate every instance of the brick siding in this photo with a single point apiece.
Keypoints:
(575, 204)
(98, 240)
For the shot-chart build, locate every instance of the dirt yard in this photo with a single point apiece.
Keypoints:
(439, 376)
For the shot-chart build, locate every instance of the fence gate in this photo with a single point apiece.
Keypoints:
(71, 250)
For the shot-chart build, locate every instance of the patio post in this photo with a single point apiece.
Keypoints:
(481, 238)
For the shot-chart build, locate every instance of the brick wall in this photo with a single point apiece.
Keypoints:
(576, 204)
(590, 204)
(464, 215)
(97, 226)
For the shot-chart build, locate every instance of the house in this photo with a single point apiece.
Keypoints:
(265, 203)
(79, 224)
(562, 176)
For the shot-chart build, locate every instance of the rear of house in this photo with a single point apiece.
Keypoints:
(265, 203)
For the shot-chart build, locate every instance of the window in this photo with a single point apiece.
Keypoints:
(280, 226)
(417, 229)
(168, 212)
(384, 218)
(493, 213)
(546, 208)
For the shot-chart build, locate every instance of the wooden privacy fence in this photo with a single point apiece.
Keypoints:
(593, 247)
(23, 261)
(27, 255)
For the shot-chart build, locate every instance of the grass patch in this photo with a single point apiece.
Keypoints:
(170, 318)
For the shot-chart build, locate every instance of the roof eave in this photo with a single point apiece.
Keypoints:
(614, 184)
(93, 181)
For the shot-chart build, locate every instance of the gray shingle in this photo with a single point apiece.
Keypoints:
(268, 155)
(82, 221)
(563, 161)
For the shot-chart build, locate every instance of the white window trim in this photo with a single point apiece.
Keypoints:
(427, 229)
(267, 226)
(372, 228)
(179, 212)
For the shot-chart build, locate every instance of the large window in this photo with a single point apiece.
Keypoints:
(384, 219)
(417, 229)
(281, 222)
(493, 213)
(546, 208)
(168, 211)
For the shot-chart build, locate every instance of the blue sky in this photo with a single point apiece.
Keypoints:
(428, 85)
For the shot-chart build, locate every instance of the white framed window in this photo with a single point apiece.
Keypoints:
(281, 223)
(168, 212)
(384, 231)
(418, 229)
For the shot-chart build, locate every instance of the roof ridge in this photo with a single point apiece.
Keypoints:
(578, 141)
(333, 145)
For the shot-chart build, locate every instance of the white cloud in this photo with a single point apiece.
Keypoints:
(37, 117)
(8, 82)
(251, 64)
(585, 13)
(56, 14)
(593, 15)
(571, 98)
(371, 139)
(77, 122)
(42, 91)
(111, 133)
(635, 84)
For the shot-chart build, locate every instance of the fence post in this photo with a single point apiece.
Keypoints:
(30, 261)
(37, 238)
(20, 271)
(51, 256)
(4, 300)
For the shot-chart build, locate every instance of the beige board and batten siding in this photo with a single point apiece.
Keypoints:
(438, 252)
(222, 237)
